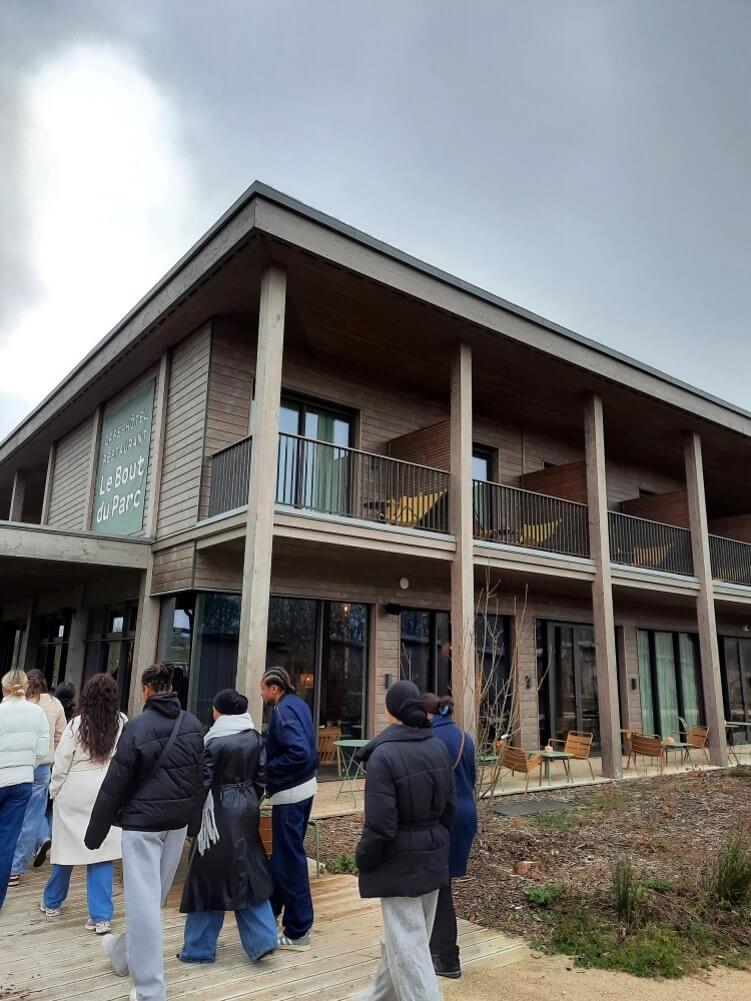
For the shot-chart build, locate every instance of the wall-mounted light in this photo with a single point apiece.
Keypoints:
(528, 682)
(404, 583)
(392, 609)
(633, 684)
(387, 681)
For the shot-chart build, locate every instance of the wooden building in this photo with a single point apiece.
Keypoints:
(305, 447)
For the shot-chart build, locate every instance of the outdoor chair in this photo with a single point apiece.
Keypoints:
(578, 745)
(647, 746)
(327, 749)
(697, 738)
(516, 760)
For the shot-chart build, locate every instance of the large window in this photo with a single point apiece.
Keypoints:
(736, 682)
(109, 646)
(53, 632)
(176, 639)
(567, 679)
(11, 644)
(426, 657)
(213, 661)
(309, 474)
(670, 682)
(323, 645)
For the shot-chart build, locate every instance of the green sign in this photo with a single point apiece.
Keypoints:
(124, 465)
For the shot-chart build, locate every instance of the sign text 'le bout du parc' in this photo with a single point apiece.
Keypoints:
(124, 464)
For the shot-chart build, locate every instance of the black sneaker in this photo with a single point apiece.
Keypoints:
(41, 856)
(442, 970)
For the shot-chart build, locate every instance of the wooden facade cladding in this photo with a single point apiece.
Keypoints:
(735, 527)
(229, 394)
(69, 493)
(672, 508)
(430, 446)
(568, 481)
(173, 569)
(184, 434)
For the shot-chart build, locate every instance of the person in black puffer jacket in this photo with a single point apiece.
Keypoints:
(229, 870)
(150, 791)
(403, 854)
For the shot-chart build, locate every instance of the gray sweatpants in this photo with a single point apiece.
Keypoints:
(405, 972)
(150, 861)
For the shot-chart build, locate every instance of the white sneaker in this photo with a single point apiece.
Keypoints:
(100, 927)
(108, 943)
(51, 912)
(133, 996)
(302, 944)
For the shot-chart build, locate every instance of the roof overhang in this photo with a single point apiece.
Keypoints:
(261, 210)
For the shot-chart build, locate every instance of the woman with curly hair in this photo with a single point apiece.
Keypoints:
(81, 762)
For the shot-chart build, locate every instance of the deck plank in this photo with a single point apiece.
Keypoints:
(56, 959)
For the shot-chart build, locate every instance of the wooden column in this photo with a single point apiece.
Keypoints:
(145, 642)
(259, 532)
(48, 484)
(160, 421)
(705, 611)
(74, 667)
(602, 590)
(96, 435)
(462, 569)
(17, 496)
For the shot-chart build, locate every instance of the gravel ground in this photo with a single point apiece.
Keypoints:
(666, 826)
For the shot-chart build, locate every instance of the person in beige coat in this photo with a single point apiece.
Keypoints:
(81, 762)
(34, 837)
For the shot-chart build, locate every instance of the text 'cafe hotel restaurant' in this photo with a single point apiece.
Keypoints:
(304, 447)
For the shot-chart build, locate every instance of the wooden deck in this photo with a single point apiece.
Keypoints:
(56, 959)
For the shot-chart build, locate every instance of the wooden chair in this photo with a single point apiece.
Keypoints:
(578, 745)
(647, 746)
(697, 738)
(515, 759)
(327, 749)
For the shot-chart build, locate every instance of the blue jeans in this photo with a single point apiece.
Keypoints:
(256, 925)
(36, 808)
(289, 866)
(98, 889)
(13, 801)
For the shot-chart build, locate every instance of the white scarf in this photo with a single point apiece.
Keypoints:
(225, 726)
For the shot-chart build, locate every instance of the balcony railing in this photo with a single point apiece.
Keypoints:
(730, 559)
(333, 479)
(521, 518)
(230, 476)
(652, 545)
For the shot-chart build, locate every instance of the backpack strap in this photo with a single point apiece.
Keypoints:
(461, 750)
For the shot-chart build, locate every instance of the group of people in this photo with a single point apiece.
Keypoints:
(137, 789)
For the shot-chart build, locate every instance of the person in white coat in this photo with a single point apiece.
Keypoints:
(35, 835)
(81, 762)
(24, 741)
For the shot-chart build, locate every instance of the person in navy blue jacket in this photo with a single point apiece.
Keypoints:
(444, 947)
(291, 765)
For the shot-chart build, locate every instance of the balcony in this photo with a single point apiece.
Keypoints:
(515, 517)
(344, 482)
(730, 559)
(650, 545)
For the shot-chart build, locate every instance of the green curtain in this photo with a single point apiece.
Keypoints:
(645, 684)
(667, 690)
(326, 470)
(690, 680)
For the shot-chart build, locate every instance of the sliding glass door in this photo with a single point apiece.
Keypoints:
(736, 682)
(323, 645)
(670, 682)
(314, 465)
(567, 672)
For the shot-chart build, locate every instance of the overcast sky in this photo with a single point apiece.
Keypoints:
(588, 160)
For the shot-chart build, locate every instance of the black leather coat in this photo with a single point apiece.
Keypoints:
(234, 872)
(409, 812)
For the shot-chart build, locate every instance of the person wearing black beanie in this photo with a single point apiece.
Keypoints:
(403, 854)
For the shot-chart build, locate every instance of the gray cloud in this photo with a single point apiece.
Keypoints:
(590, 161)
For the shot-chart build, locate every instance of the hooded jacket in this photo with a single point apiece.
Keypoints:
(409, 813)
(136, 798)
